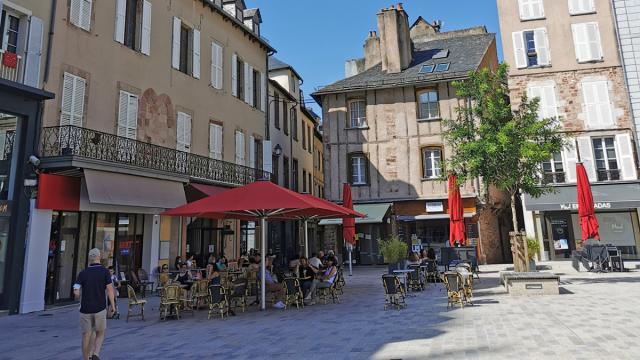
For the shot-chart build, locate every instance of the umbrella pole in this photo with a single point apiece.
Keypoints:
(350, 262)
(263, 252)
(306, 240)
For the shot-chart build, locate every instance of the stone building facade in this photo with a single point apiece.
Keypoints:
(382, 133)
(566, 54)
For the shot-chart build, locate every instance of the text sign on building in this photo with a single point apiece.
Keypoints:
(434, 206)
(574, 206)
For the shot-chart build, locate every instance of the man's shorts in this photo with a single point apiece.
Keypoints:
(93, 322)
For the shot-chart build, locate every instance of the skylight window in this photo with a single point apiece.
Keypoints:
(427, 69)
(442, 54)
(442, 67)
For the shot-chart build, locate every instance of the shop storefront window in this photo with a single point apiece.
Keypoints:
(105, 236)
(616, 228)
(119, 238)
(247, 236)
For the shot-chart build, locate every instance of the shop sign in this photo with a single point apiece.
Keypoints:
(5, 208)
(434, 206)
(574, 206)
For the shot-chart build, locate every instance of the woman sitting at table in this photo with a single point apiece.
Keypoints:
(423, 254)
(431, 254)
(305, 275)
(323, 281)
(164, 276)
(184, 276)
(212, 274)
(222, 263)
(413, 259)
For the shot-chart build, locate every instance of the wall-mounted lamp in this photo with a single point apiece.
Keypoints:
(277, 151)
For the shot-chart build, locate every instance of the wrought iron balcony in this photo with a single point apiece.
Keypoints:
(73, 141)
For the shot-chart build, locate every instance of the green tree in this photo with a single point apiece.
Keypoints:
(492, 141)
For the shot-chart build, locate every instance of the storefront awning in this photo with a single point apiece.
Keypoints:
(127, 190)
(195, 191)
(429, 217)
(605, 196)
(374, 214)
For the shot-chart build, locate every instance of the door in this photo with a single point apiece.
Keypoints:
(61, 263)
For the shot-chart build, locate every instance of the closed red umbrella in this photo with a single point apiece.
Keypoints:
(348, 224)
(586, 211)
(456, 214)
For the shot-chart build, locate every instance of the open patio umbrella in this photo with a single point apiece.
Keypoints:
(588, 221)
(456, 213)
(261, 200)
(348, 224)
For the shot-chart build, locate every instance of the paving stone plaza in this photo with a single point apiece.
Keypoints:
(595, 317)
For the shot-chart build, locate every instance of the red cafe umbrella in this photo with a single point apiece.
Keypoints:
(260, 200)
(456, 214)
(348, 224)
(588, 221)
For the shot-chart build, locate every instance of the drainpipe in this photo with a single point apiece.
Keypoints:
(52, 19)
(267, 125)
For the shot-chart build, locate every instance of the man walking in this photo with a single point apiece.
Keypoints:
(92, 283)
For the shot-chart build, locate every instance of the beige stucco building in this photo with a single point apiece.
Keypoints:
(157, 104)
(382, 131)
(566, 54)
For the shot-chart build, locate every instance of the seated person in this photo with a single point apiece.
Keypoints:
(254, 263)
(115, 281)
(305, 275)
(323, 281)
(222, 263)
(184, 276)
(213, 276)
(413, 259)
(271, 286)
(431, 254)
(315, 263)
(164, 276)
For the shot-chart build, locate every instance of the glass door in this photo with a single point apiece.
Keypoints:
(61, 262)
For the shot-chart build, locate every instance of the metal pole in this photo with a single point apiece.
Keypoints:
(306, 240)
(263, 253)
(350, 247)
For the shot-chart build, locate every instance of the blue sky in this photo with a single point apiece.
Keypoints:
(317, 36)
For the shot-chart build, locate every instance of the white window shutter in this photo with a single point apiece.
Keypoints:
(79, 86)
(542, 46)
(550, 101)
(212, 141)
(121, 12)
(525, 9)
(145, 46)
(537, 9)
(252, 152)
(518, 50)
(604, 111)
(175, 51)
(85, 14)
(593, 35)
(75, 9)
(570, 158)
(573, 6)
(234, 74)
(590, 107)
(263, 93)
(122, 114)
(267, 164)
(183, 136)
(66, 106)
(216, 65)
(132, 117)
(625, 156)
(580, 42)
(196, 54)
(215, 141)
(34, 52)
(246, 83)
(586, 156)
(240, 148)
(250, 88)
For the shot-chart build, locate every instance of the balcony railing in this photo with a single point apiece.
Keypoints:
(95, 145)
(9, 66)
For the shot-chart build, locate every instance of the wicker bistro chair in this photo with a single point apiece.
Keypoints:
(217, 301)
(238, 294)
(252, 285)
(340, 283)
(432, 274)
(133, 303)
(415, 281)
(455, 288)
(188, 298)
(293, 293)
(145, 283)
(170, 301)
(330, 292)
(393, 292)
(200, 293)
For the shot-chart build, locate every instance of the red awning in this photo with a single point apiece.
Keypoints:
(58, 192)
(209, 189)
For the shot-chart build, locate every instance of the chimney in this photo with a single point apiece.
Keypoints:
(395, 39)
(372, 50)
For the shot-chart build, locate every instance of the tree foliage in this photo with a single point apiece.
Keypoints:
(491, 141)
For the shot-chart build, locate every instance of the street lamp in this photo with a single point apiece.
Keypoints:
(277, 151)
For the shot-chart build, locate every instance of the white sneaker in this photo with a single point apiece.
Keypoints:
(279, 305)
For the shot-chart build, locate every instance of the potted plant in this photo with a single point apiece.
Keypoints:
(394, 252)
(533, 247)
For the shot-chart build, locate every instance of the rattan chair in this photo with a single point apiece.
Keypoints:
(455, 289)
(414, 278)
(217, 301)
(187, 298)
(340, 283)
(432, 271)
(393, 292)
(133, 303)
(170, 301)
(144, 281)
(200, 293)
(238, 294)
(293, 293)
(331, 292)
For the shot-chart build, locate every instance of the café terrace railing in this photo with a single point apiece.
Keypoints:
(73, 141)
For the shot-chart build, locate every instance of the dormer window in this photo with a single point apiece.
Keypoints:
(252, 20)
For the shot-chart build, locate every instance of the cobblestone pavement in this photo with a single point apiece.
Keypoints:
(596, 317)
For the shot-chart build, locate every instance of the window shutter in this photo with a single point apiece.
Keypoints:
(132, 117)
(34, 52)
(234, 74)
(216, 65)
(122, 113)
(586, 156)
(581, 6)
(215, 141)
(240, 148)
(593, 38)
(603, 107)
(550, 102)
(525, 9)
(537, 9)
(246, 83)
(183, 137)
(145, 46)
(263, 93)
(536, 92)
(121, 11)
(252, 152)
(570, 157)
(66, 107)
(180, 141)
(518, 50)
(252, 101)
(625, 156)
(573, 6)
(542, 46)
(580, 42)
(175, 51)
(85, 14)
(267, 161)
(590, 108)
(72, 109)
(196, 54)
(75, 8)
